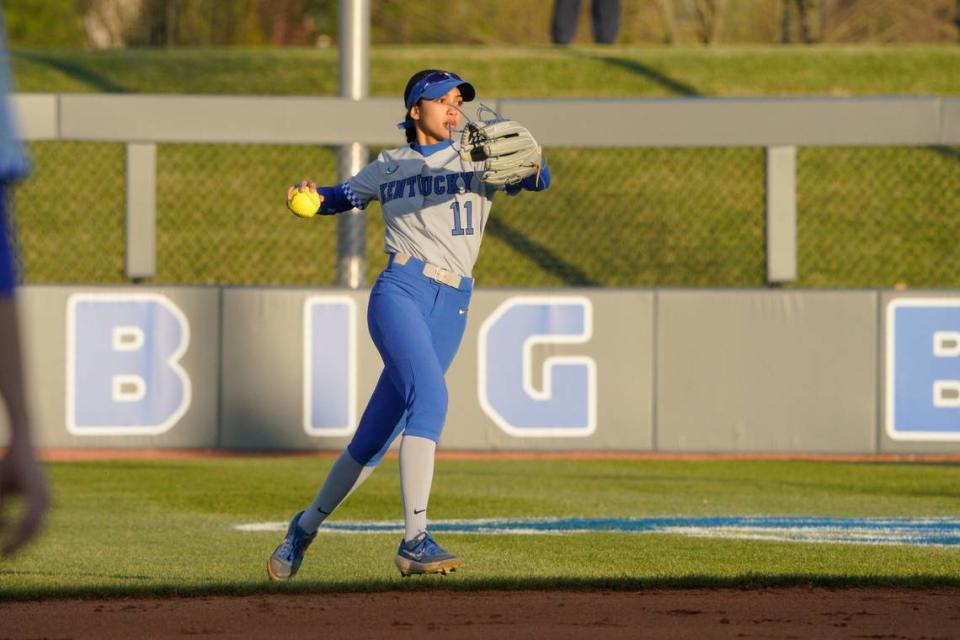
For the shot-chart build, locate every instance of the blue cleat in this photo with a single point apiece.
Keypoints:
(286, 559)
(424, 555)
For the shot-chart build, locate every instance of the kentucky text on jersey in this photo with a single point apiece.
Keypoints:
(425, 185)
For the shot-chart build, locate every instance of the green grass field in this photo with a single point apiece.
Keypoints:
(868, 217)
(128, 527)
(507, 71)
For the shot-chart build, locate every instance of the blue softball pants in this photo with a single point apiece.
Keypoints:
(416, 324)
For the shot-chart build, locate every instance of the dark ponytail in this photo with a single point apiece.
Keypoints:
(410, 128)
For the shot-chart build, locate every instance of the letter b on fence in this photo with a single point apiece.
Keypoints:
(923, 369)
(123, 364)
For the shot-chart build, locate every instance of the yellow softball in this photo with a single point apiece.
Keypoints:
(304, 204)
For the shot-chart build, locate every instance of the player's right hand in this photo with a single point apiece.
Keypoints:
(304, 185)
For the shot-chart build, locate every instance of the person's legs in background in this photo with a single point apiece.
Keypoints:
(606, 20)
(563, 27)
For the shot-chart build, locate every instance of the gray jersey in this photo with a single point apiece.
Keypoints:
(434, 207)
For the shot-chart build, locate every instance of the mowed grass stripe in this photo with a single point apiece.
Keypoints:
(506, 71)
(126, 527)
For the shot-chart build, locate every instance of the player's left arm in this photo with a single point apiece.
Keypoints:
(539, 181)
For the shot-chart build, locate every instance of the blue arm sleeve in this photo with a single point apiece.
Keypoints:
(536, 182)
(8, 275)
(334, 200)
(339, 199)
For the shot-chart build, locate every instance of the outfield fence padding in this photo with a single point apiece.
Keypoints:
(582, 369)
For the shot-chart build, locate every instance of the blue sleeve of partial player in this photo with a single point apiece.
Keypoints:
(536, 182)
(335, 200)
(8, 273)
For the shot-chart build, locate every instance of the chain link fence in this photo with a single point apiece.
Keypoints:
(878, 217)
(221, 217)
(634, 217)
(69, 214)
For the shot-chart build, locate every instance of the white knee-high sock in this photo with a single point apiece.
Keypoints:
(416, 477)
(346, 475)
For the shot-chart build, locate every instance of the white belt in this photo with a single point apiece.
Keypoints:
(432, 271)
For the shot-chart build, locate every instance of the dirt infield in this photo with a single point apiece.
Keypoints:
(696, 614)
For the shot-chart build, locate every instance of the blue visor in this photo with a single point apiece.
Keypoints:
(438, 84)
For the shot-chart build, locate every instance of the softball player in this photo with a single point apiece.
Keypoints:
(435, 210)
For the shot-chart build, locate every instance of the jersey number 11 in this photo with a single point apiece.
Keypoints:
(459, 230)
